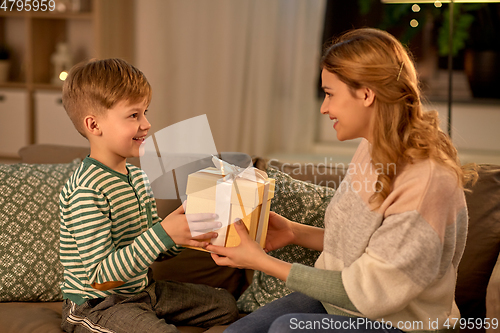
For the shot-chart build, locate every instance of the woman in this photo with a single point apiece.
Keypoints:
(394, 231)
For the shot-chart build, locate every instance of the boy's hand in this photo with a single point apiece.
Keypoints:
(177, 227)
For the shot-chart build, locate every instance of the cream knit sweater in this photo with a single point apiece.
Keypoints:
(397, 263)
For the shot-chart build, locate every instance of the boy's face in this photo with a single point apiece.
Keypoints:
(124, 128)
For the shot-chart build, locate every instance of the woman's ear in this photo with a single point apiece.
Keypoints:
(368, 96)
(91, 125)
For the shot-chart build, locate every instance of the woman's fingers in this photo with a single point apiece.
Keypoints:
(219, 250)
(220, 260)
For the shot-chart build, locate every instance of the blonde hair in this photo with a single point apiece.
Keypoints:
(402, 132)
(93, 87)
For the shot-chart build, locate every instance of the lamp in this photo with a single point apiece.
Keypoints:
(442, 1)
(450, 40)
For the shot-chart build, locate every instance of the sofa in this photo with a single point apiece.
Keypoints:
(30, 272)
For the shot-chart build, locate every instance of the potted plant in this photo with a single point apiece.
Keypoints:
(475, 37)
(482, 55)
(4, 63)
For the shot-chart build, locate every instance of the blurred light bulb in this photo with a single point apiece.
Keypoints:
(415, 8)
(414, 23)
(63, 75)
(438, 4)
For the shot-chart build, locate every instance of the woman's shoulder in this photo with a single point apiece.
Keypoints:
(426, 183)
(428, 171)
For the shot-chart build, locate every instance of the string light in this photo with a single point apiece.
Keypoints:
(414, 23)
(63, 75)
(438, 4)
(415, 8)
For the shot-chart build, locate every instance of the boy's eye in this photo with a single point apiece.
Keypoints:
(133, 115)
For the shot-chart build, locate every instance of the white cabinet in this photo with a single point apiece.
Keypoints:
(52, 124)
(14, 122)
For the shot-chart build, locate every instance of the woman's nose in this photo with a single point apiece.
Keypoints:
(324, 108)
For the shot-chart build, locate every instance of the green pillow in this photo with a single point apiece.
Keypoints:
(29, 230)
(298, 201)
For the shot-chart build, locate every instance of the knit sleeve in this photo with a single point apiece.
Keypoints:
(320, 284)
(172, 251)
(156, 219)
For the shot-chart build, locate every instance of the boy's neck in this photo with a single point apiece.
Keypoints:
(116, 163)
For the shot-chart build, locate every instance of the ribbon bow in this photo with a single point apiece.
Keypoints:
(231, 172)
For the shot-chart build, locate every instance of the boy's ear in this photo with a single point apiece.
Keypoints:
(91, 125)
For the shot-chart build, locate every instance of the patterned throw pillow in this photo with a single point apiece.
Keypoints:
(29, 230)
(300, 202)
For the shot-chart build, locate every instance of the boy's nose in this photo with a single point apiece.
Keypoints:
(145, 124)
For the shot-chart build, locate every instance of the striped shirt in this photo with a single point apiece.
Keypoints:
(110, 232)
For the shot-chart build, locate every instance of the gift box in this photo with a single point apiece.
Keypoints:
(237, 193)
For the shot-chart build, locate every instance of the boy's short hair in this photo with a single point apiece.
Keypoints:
(95, 86)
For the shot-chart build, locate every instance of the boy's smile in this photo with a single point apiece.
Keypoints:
(119, 133)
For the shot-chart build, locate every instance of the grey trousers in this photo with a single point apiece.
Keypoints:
(158, 308)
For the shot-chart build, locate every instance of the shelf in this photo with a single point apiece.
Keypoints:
(12, 14)
(46, 86)
(48, 14)
(17, 85)
(33, 37)
(65, 16)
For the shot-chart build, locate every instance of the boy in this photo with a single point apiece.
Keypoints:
(110, 230)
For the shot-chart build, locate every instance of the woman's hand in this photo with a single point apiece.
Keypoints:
(279, 233)
(246, 255)
(249, 255)
(282, 232)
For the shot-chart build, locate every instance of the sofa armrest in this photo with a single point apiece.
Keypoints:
(51, 154)
(328, 175)
(493, 296)
(55, 154)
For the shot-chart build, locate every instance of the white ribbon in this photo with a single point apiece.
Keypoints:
(224, 188)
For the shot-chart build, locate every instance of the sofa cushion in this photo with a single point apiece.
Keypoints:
(29, 236)
(298, 201)
(483, 243)
(31, 317)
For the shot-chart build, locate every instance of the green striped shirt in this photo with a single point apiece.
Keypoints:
(110, 233)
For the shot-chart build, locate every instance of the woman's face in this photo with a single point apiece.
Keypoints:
(351, 113)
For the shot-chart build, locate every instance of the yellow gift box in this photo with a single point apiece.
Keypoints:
(241, 195)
